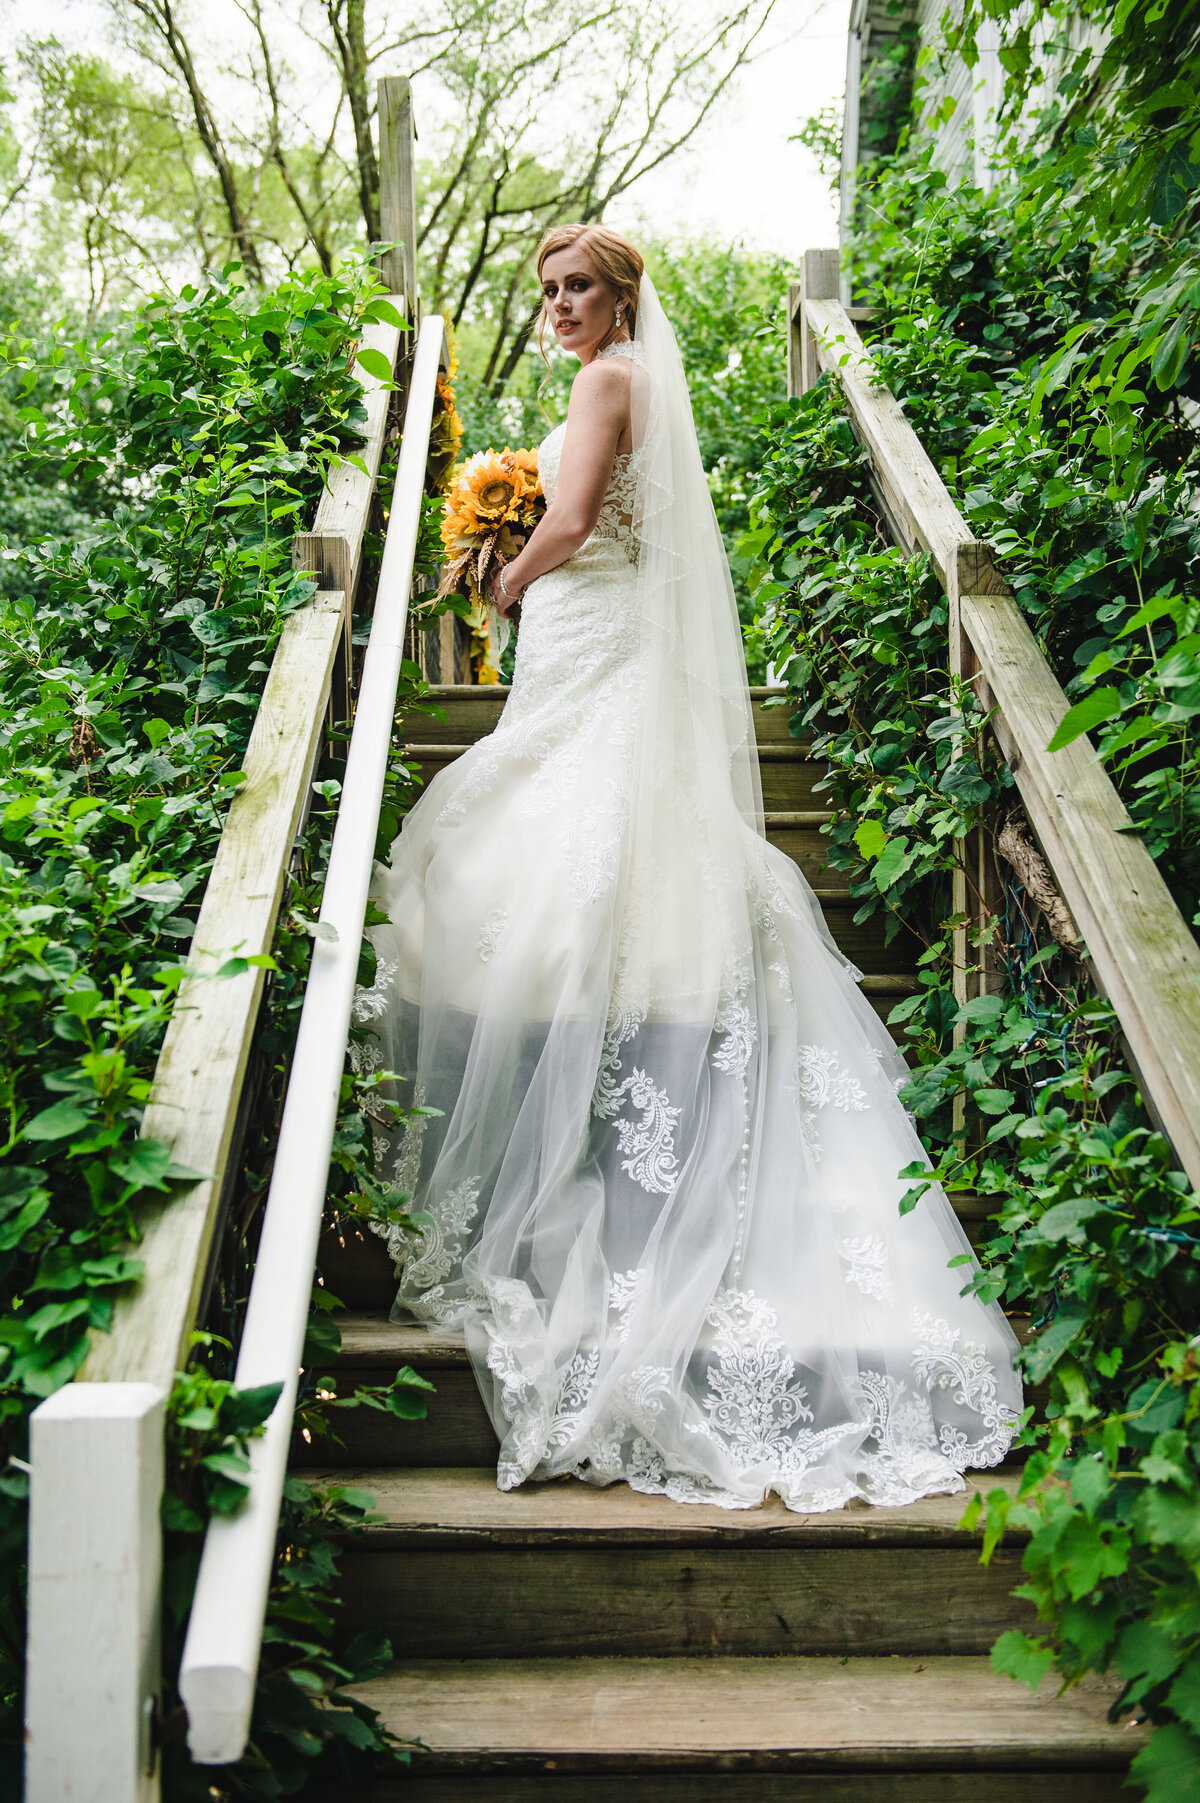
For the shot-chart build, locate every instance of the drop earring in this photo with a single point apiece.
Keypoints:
(618, 318)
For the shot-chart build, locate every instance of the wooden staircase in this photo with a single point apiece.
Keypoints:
(578, 1644)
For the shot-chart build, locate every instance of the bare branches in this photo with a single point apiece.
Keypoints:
(252, 11)
(347, 28)
(531, 113)
(159, 18)
(553, 114)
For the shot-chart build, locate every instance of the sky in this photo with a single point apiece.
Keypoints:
(741, 180)
(744, 179)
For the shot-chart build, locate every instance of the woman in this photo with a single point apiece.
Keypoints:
(661, 1189)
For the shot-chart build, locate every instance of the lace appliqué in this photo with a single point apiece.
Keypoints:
(439, 1253)
(649, 1144)
(822, 1082)
(753, 1403)
(740, 1029)
(970, 1378)
(866, 1260)
(901, 1461)
(372, 1003)
(489, 936)
(478, 781)
(623, 1291)
(593, 854)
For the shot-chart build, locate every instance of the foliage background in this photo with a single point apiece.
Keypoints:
(1042, 335)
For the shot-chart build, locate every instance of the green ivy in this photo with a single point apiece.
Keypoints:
(1041, 338)
(133, 654)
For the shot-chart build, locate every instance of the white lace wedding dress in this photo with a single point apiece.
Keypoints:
(661, 1193)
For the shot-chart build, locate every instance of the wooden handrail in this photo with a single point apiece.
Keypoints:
(1144, 956)
(200, 1072)
(220, 1659)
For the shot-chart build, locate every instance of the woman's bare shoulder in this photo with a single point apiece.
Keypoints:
(604, 376)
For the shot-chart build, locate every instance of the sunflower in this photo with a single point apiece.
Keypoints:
(494, 501)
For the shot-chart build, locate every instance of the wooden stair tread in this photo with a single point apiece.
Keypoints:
(371, 1339)
(803, 1712)
(463, 1505)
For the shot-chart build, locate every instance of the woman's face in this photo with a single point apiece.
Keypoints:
(579, 303)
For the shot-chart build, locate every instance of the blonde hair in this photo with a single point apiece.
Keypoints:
(618, 261)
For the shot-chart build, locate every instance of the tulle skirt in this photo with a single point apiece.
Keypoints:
(660, 1194)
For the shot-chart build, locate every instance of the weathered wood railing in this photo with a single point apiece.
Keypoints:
(96, 1445)
(1142, 953)
(220, 1658)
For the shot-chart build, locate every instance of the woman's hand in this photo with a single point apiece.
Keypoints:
(507, 599)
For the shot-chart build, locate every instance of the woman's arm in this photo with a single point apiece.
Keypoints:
(597, 418)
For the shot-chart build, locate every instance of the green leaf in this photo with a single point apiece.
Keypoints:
(1086, 1552)
(1171, 352)
(382, 312)
(1168, 1516)
(1018, 1656)
(56, 1122)
(982, 1010)
(1184, 1694)
(252, 1406)
(1145, 1650)
(230, 1465)
(1174, 177)
(1065, 1220)
(1043, 1354)
(1169, 1767)
(870, 838)
(375, 364)
(892, 862)
(1089, 1482)
(1100, 705)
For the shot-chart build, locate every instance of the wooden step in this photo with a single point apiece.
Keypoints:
(647, 1718)
(660, 1784)
(472, 711)
(457, 1430)
(370, 1342)
(566, 1570)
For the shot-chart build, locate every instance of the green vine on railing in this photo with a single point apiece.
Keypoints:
(1041, 338)
(133, 655)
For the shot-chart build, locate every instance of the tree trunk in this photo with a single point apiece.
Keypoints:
(161, 18)
(350, 38)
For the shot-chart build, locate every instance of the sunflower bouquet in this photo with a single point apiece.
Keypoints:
(495, 496)
(493, 504)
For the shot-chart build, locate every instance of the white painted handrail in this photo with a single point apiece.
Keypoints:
(221, 1654)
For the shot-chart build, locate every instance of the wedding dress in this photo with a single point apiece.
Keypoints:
(660, 1196)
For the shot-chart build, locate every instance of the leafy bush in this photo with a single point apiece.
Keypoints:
(133, 655)
(1041, 338)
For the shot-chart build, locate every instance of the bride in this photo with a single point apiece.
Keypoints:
(660, 1193)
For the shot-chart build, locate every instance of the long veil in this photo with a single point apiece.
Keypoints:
(662, 1195)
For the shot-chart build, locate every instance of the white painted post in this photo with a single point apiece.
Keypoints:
(95, 1566)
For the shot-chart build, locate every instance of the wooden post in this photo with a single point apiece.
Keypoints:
(848, 181)
(975, 886)
(397, 190)
(95, 1563)
(818, 281)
